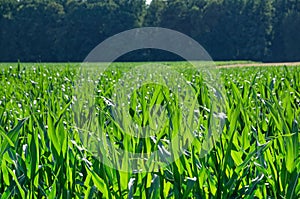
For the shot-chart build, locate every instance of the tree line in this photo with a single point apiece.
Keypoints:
(67, 30)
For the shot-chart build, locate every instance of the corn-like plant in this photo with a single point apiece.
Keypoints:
(44, 155)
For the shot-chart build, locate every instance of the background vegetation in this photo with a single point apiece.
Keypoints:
(66, 30)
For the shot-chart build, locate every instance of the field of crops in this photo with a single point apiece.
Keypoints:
(44, 155)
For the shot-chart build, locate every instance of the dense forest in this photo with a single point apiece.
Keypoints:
(67, 30)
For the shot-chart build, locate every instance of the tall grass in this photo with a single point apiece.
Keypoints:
(43, 154)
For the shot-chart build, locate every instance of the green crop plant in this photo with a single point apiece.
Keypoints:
(43, 155)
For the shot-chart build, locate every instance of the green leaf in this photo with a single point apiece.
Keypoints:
(99, 183)
(11, 136)
(237, 157)
(189, 186)
(22, 193)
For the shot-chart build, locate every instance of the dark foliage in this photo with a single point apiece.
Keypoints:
(67, 30)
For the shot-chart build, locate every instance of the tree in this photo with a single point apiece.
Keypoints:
(285, 43)
(36, 37)
(84, 27)
(67, 30)
(258, 29)
(154, 13)
(7, 31)
(291, 39)
(175, 16)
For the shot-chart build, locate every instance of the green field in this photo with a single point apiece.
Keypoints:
(43, 154)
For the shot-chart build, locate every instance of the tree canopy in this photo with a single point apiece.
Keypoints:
(67, 30)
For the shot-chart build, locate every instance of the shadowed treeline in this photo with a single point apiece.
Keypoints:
(67, 30)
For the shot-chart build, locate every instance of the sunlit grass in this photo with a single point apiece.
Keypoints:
(42, 153)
